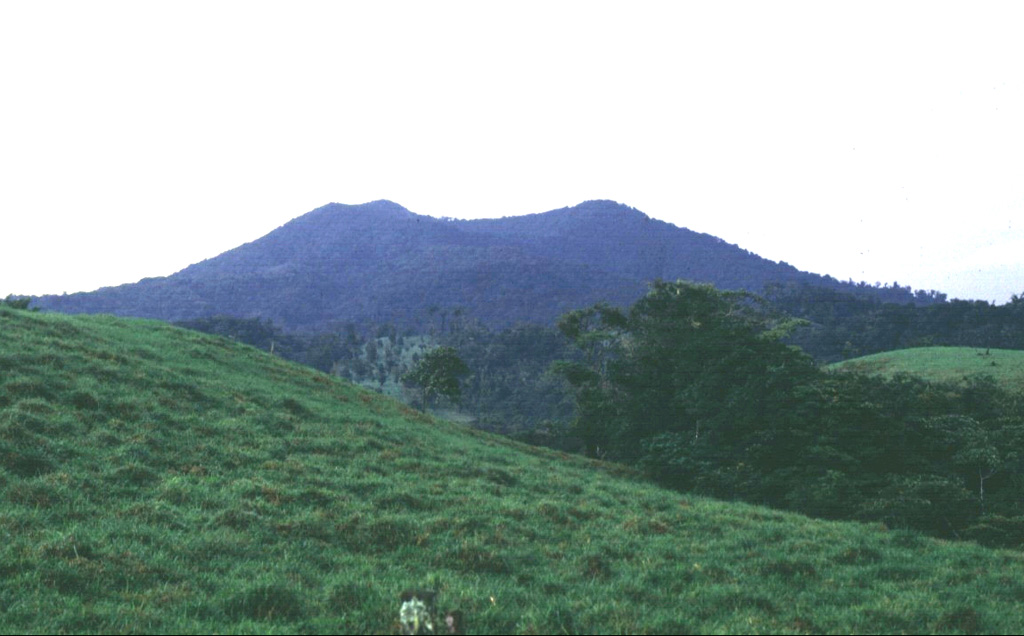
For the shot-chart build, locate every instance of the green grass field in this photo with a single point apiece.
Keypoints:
(944, 364)
(154, 479)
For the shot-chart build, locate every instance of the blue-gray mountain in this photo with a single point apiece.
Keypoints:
(379, 262)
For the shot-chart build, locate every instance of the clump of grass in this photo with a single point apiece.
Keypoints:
(962, 620)
(273, 601)
(84, 400)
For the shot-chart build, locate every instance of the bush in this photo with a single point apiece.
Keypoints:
(16, 302)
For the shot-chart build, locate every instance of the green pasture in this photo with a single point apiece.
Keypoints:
(944, 364)
(157, 480)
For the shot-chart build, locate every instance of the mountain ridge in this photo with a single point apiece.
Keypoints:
(380, 262)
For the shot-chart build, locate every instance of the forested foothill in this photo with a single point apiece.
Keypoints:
(698, 387)
(843, 325)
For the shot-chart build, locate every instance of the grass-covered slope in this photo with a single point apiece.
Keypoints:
(159, 480)
(944, 364)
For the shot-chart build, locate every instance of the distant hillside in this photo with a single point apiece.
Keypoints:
(378, 262)
(842, 325)
(944, 364)
(157, 480)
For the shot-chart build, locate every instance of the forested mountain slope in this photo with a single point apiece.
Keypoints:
(378, 263)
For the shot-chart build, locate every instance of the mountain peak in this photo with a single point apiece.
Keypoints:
(605, 205)
(377, 261)
(380, 206)
(383, 205)
(335, 216)
(603, 211)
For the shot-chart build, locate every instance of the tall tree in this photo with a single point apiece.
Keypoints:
(688, 372)
(437, 374)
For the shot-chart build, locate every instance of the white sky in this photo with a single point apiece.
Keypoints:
(878, 141)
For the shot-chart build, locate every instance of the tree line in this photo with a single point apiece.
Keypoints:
(841, 325)
(699, 387)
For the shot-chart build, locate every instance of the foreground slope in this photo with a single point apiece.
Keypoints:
(943, 364)
(378, 262)
(160, 480)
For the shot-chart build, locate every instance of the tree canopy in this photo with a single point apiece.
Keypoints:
(15, 302)
(437, 374)
(686, 362)
(696, 386)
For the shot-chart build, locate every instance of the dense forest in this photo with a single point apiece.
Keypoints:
(378, 263)
(697, 386)
(841, 325)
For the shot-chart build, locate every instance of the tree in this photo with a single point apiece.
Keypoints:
(598, 333)
(437, 374)
(16, 302)
(691, 382)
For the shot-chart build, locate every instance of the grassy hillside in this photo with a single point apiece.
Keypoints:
(944, 364)
(160, 480)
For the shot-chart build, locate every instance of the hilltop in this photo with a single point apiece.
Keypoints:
(378, 262)
(944, 364)
(161, 480)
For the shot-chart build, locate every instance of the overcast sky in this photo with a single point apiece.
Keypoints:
(873, 141)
